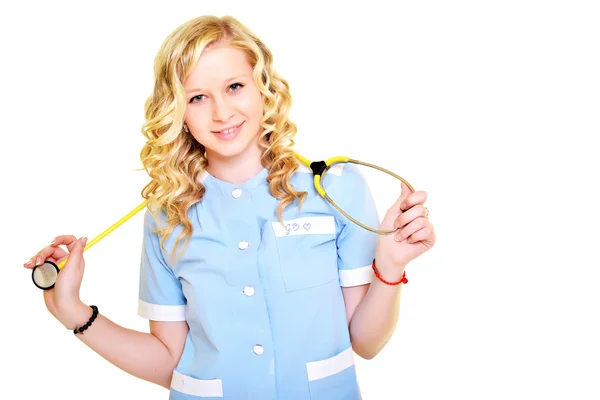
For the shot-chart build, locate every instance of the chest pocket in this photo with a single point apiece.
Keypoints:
(307, 251)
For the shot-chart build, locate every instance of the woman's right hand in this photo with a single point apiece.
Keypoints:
(63, 299)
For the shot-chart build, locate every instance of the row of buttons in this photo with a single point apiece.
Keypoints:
(257, 349)
(248, 290)
(236, 194)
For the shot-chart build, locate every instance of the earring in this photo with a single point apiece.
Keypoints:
(185, 128)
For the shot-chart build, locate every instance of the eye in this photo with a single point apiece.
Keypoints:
(236, 86)
(196, 99)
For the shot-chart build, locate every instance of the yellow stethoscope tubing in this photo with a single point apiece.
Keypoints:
(318, 187)
(114, 226)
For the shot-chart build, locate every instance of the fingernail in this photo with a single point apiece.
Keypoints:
(38, 261)
(403, 206)
(28, 262)
(52, 243)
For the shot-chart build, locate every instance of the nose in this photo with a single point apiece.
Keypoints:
(223, 110)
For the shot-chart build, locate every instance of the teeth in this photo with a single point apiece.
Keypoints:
(228, 131)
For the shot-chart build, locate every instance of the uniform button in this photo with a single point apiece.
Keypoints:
(243, 245)
(249, 291)
(237, 193)
(258, 349)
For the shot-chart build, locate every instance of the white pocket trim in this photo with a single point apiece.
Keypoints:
(196, 387)
(305, 226)
(331, 366)
(356, 277)
(157, 312)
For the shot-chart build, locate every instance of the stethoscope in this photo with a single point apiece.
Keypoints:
(44, 275)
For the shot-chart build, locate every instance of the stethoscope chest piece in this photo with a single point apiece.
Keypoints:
(44, 276)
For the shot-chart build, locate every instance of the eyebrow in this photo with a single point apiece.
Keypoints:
(228, 80)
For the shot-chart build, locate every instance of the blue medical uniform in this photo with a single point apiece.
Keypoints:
(263, 299)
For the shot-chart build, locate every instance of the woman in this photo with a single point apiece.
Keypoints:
(254, 286)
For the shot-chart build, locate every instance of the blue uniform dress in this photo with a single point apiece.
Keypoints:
(263, 300)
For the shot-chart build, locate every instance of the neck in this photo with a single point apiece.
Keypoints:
(236, 170)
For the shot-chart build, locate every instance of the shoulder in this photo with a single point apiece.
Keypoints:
(343, 182)
(341, 173)
(154, 219)
(344, 179)
(156, 225)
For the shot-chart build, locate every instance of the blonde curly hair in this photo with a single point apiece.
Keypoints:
(173, 158)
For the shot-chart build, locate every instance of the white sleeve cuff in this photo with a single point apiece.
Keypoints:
(156, 312)
(356, 277)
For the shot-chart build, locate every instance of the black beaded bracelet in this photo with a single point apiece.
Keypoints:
(87, 324)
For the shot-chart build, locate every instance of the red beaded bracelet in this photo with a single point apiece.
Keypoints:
(402, 280)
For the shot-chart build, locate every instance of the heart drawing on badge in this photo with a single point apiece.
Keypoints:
(306, 226)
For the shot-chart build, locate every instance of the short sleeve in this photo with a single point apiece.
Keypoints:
(356, 245)
(160, 294)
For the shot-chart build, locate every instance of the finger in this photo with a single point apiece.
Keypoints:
(45, 255)
(52, 252)
(426, 235)
(392, 212)
(406, 190)
(395, 210)
(66, 240)
(418, 197)
(76, 254)
(410, 215)
(410, 229)
(29, 264)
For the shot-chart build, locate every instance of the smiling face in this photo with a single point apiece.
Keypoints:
(224, 106)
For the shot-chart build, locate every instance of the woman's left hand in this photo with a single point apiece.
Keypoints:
(415, 236)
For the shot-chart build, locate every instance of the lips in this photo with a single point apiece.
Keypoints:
(229, 133)
(227, 130)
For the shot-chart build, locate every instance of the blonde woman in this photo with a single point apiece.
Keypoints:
(254, 286)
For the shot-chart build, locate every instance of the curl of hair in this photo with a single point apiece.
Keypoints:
(173, 159)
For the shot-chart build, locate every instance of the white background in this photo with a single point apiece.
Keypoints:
(490, 107)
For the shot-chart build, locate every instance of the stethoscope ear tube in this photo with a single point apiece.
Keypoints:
(335, 160)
